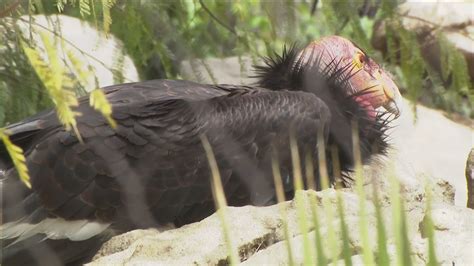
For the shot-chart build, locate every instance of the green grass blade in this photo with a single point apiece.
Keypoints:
(399, 224)
(405, 240)
(363, 222)
(281, 198)
(299, 200)
(220, 200)
(323, 173)
(382, 252)
(17, 156)
(346, 251)
(310, 180)
(428, 228)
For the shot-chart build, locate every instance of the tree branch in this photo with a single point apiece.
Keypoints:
(314, 6)
(216, 18)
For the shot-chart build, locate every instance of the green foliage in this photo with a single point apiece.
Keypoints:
(99, 102)
(16, 154)
(21, 92)
(51, 73)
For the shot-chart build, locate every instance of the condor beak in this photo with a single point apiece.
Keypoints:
(392, 99)
(393, 106)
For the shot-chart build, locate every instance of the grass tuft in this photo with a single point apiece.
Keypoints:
(220, 200)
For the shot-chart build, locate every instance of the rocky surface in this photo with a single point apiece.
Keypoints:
(258, 234)
(104, 55)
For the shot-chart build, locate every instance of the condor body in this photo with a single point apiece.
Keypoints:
(152, 169)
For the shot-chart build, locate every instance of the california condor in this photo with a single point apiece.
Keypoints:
(152, 170)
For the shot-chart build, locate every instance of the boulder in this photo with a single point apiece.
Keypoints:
(103, 55)
(258, 234)
(454, 234)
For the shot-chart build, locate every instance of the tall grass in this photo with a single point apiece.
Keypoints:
(314, 253)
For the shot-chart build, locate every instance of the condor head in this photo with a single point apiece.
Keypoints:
(370, 85)
(333, 56)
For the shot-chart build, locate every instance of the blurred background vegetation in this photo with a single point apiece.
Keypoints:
(159, 35)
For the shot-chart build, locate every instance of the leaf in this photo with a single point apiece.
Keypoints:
(220, 200)
(363, 222)
(100, 103)
(16, 154)
(60, 5)
(346, 250)
(382, 252)
(84, 8)
(51, 73)
(299, 200)
(107, 18)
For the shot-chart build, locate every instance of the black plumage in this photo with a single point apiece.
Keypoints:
(152, 169)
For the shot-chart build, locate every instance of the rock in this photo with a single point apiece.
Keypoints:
(231, 70)
(470, 179)
(104, 55)
(252, 229)
(200, 243)
(430, 147)
(258, 234)
(454, 234)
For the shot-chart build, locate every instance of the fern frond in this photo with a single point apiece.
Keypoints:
(84, 8)
(100, 103)
(16, 154)
(82, 73)
(97, 98)
(60, 4)
(51, 73)
(107, 18)
(460, 73)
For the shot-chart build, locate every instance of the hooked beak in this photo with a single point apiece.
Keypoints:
(393, 99)
(393, 106)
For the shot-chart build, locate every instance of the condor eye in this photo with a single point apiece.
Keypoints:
(362, 58)
(359, 60)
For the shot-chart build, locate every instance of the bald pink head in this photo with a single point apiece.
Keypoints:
(371, 86)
